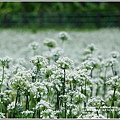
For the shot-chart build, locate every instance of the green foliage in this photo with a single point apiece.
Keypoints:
(36, 7)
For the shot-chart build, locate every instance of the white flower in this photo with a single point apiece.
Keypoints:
(27, 112)
(21, 80)
(95, 102)
(113, 81)
(91, 47)
(64, 63)
(17, 68)
(21, 61)
(39, 61)
(89, 115)
(63, 36)
(50, 42)
(109, 95)
(109, 62)
(4, 97)
(114, 54)
(47, 54)
(11, 106)
(56, 53)
(2, 115)
(48, 71)
(43, 105)
(48, 113)
(33, 45)
(5, 61)
(97, 81)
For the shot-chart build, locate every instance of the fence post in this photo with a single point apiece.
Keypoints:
(79, 17)
(98, 20)
(118, 20)
(60, 19)
(6, 24)
(41, 18)
(24, 18)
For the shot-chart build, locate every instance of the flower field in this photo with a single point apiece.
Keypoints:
(60, 74)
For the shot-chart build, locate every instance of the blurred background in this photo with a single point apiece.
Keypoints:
(59, 14)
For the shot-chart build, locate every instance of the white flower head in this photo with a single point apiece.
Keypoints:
(27, 112)
(33, 45)
(11, 106)
(5, 61)
(91, 47)
(64, 63)
(95, 102)
(39, 61)
(63, 36)
(50, 42)
(2, 115)
(114, 54)
(56, 53)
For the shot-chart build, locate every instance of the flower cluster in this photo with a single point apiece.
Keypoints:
(63, 36)
(51, 43)
(33, 45)
(64, 63)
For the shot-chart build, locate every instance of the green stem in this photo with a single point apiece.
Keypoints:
(64, 94)
(70, 100)
(104, 84)
(3, 72)
(97, 90)
(91, 74)
(91, 88)
(85, 94)
(64, 84)
(113, 69)
(57, 104)
(113, 97)
(16, 103)
(27, 102)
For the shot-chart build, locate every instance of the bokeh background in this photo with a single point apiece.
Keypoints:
(60, 14)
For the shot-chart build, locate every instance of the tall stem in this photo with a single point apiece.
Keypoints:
(16, 102)
(27, 102)
(113, 97)
(3, 72)
(64, 94)
(85, 95)
(91, 74)
(64, 84)
(57, 105)
(113, 71)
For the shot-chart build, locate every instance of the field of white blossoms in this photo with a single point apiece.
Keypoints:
(60, 74)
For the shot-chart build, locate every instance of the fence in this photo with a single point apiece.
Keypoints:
(78, 20)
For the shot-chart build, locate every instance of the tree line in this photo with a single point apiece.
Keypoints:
(49, 7)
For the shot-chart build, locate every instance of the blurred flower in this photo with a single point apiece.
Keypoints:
(114, 54)
(51, 43)
(2, 115)
(4, 97)
(39, 61)
(33, 45)
(43, 105)
(5, 61)
(27, 112)
(56, 53)
(91, 47)
(113, 81)
(92, 115)
(96, 102)
(48, 113)
(63, 36)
